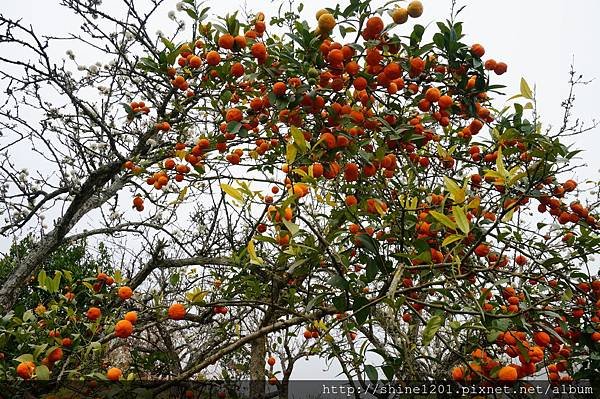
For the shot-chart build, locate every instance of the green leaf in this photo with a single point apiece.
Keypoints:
(338, 282)
(339, 302)
(361, 309)
(314, 301)
(27, 357)
(42, 373)
(493, 335)
(367, 242)
(432, 327)
(293, 228)
(526, 90)
(461, 219)
(236, 194)
(371, 373)
(445, 220)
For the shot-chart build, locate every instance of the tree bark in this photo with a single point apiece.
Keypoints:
(258, 351)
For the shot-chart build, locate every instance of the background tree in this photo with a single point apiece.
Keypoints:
(289, 189)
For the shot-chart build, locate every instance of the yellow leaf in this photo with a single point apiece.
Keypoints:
(451, 238)
(509, 215)
(461, 219)
(494, 174)
(456, 192)
(300, 172)
(474, 204)
(196, 295)
(236, 194)
(181, 154)
(379, 208)
(500, 164)
(181, 196)
(299, 139)
(526, 90)
(445, 220)
(255, 260)
(290, 153)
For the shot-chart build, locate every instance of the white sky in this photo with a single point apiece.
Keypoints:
(537, 39)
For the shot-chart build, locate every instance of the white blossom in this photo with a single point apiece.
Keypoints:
(179, 6)
(71, 54)
(171, 15)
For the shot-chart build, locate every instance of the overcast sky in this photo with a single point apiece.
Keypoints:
(537, 39)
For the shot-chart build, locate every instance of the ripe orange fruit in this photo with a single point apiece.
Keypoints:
(432, 94)
(335, 57)
(500, 68)
(570, 185)
(417, 64)
(123, 328)
(360, 83)
(351, 200)
(114, 374)
(482, 250)
(458, 373)
(55, 355)
(271, 361)
(375, 25)
(328, 139)
(477, 50)
(351, 172)
(240, 42)
(138, 202)
(25, 370)
(283, 239)
(226, 41)
(66, 342)
(490, 64)
(125, 292)
(131, 317)
(258, 50)
(400, 15)
(213, 58)
(415, 9)
(445, 102)
(279, 89)
(300, 189)
(508, 374)
(93, 313)
(317, 169)
(288, 213)
(176, 311)
(195, 62)
(237, 70)
(234, 114)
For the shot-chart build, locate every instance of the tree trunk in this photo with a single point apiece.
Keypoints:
(258, 351)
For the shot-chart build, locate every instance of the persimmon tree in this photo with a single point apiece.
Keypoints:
(273, 188)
